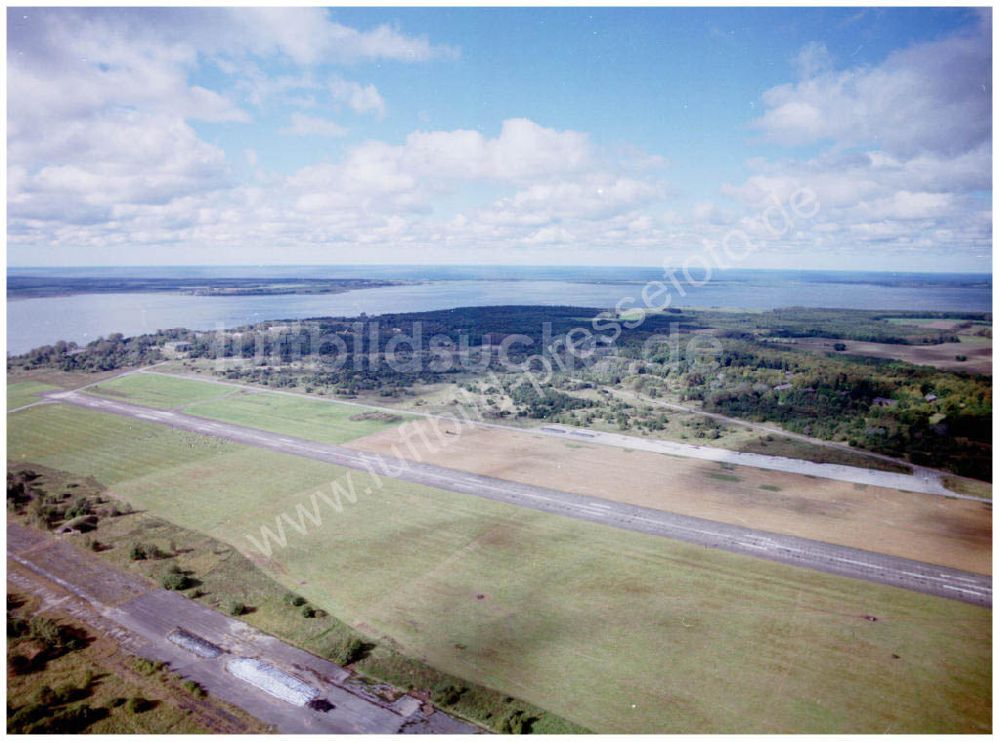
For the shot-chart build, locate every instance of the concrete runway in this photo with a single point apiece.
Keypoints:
(840, 560)
(139, 617)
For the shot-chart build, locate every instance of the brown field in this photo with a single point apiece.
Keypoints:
(954, 533)
(62, 379)
(979, 352)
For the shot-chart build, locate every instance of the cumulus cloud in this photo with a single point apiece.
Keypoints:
(310, 36)
(114, 118)
(359, 98)
(933, 97)
(103, 103)
(904, 147)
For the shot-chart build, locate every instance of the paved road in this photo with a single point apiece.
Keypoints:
(140, 617)
(841, 560)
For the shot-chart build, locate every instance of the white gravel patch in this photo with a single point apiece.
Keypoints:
(271, 680)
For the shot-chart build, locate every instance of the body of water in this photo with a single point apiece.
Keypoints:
(85, 317)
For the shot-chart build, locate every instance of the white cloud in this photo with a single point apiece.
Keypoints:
(933, 97)
(118, 159)
(309, 36)
(302, 126)
(906, 148)
(813, 59)
(101, 147)
(359, 98)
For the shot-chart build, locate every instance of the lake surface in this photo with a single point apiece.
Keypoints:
(85, 317)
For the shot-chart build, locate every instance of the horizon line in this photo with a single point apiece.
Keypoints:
(482, 265)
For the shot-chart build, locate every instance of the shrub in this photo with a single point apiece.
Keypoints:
(175, 581)
(52, 635)
(147, 667)
(80, 506)
(194, 689)
(235, 608)
(295, 600)
(348, 651)
(136, 705)
(308, 611)
(516, 722)
(16, 626)
(447, 694)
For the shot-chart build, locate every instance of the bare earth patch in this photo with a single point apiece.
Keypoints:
(954, 533)
(978, 352)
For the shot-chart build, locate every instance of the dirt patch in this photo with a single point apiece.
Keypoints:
(922, 527)
(379, 416)
(63, 379)
(979, 357)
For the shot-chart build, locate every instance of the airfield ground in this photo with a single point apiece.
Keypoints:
(926, 528)
(26, 392)
(954, 533)
(617, 631)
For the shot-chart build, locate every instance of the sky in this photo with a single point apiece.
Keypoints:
(570, 136)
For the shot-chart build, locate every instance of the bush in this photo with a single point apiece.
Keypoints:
(295, 600)
(447, 694)
(516, 722)
(235, 608)
(175, 581)
(348, 651)
(46, 696)
(194, 689)
(139, 551)
(80, 506)
(136, 705)
(56, 639)
(16, 626)
(308, 611)
(147, 667)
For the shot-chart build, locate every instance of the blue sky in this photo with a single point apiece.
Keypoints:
(555, 136)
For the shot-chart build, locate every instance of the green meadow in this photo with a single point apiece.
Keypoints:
(315, 419)
(616, 631)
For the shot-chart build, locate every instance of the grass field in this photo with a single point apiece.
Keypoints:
(315, 419)
(619, 632)
(22, 393)
(162, 392)
(318, 420)
(223, 576)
